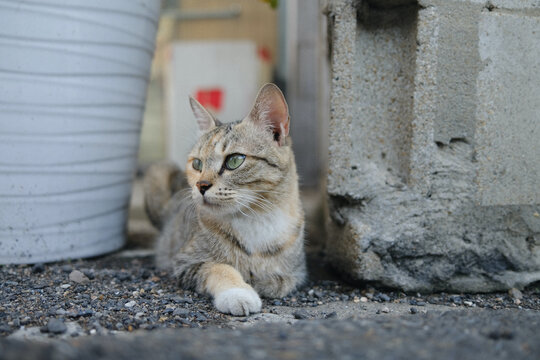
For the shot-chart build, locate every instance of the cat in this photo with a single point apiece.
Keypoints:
(238, 232)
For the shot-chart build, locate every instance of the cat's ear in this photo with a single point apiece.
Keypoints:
(205, 120)
(271, 112)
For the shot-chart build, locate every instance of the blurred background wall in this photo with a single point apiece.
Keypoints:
(221, 52)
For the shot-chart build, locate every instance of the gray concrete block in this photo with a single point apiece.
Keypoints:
(417, 84)
(508, 124)
(456, 69)
(342, 23)
(514, 4)
(381, 4)
(488, 4)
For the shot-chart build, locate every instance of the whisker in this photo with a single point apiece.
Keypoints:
(247, 204)
(259, 199)
(256, 201)
(240, 208)
(266, 191)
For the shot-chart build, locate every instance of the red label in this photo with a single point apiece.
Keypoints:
(210, 98)
(264, 54)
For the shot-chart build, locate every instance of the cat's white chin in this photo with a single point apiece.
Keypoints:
(215, 208)
(238, 301)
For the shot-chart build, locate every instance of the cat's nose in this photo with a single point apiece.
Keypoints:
(203, 186)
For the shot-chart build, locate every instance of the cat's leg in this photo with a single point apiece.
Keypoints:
(231, 293)
(280, 284)
(275, 285)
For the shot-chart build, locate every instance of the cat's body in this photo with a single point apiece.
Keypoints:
(240, 233)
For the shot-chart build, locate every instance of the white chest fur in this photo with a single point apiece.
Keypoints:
(263, 232)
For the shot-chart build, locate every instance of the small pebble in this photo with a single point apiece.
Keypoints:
(413, 310)
(139, 315)
(301, 314)
(78, 277)
(85, 313)
(385, 310)
(179, 312)
(38, 268)
(201, 317)
(181, 300)
(183, 321)
(515, 293)
(5, 328)
(130, 304)
(122, 276)
(89, 273)
(363, 299)
(56, 326)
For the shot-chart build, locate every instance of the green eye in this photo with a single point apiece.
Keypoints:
(197, 164)
(234, 161)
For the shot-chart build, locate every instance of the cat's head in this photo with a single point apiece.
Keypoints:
(240, 167)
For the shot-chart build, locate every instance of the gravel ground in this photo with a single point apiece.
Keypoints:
(122, 293)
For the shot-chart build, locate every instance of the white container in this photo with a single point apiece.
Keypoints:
(73, 78)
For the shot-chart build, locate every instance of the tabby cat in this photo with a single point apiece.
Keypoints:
(236, 231)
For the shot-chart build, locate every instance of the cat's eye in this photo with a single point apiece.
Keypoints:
(197, 164)
(234, 161)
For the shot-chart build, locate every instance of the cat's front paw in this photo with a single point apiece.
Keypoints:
(238, 301)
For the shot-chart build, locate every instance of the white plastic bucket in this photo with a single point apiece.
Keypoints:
(73, 78)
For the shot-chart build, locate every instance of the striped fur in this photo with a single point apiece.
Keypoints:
(243, 238)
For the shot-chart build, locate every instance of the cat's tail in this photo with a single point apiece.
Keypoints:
(161, 182)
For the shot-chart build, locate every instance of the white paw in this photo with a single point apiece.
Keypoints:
(238, 301)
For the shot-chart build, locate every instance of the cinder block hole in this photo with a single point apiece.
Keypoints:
(384, 83)
(452, 141)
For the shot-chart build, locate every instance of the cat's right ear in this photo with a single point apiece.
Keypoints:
(271, 112)
(205, 120)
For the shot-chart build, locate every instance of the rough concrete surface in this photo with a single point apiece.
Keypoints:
(433, 174)
(447, 335)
